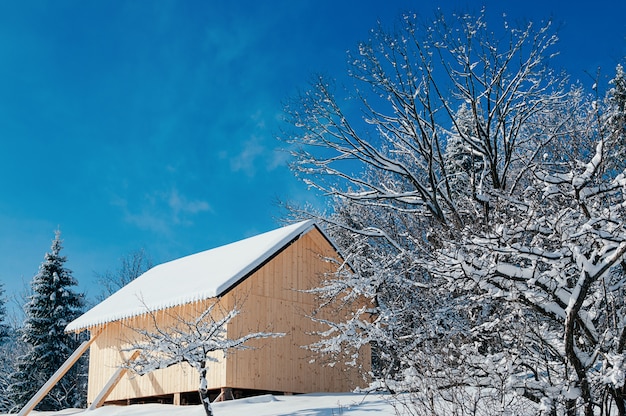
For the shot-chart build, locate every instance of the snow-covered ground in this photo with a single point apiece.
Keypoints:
(349, 404)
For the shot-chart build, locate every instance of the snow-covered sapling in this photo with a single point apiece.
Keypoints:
(191, 340)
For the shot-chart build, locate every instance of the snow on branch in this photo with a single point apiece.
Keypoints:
(481, 204)
(188, 339)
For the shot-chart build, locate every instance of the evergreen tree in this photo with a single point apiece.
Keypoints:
(6, 353)
(4, 328)
(463, 164)
(616, 119)
(11, 348)
(51, 306)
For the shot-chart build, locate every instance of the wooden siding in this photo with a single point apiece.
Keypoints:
(107, 354)
(270, 300)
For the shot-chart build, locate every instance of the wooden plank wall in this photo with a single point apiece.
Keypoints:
(270, 302)
(106, 355)
(273, 304)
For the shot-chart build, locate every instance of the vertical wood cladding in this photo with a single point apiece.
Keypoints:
(271, 299)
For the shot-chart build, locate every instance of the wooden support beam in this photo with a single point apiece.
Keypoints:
(226, 393)
(45, 389)
(108, 388)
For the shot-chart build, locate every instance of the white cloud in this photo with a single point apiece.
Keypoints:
(280, 158)
(181, 206)
(245, 161)
(159, 211)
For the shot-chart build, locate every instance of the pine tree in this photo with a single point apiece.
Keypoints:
(51, 306)
(616, 118)
(4, 328)
(463, 166)
(6, 353)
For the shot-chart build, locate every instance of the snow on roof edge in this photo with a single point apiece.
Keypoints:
(91, 318)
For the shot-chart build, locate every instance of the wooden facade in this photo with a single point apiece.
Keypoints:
(271, 299)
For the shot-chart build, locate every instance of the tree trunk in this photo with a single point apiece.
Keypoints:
(571, 407)
(204, 392)
(619, 402)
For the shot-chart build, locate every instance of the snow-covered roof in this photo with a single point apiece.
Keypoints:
(192, 278)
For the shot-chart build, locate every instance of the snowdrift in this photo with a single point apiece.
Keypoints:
(350, 404)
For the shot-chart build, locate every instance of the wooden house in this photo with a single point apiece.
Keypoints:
(266, 275)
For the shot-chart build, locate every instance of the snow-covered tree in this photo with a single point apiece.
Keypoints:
(479, 210)
(191, 340)
(410, 84)
(6, 354)
(4, 327)
(615, 119)
(10, 349)
(52, 304)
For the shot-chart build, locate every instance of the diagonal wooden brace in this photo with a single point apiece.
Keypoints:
(108, 388)
(45, 389)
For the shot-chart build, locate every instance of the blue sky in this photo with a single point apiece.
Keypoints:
(153, 124)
